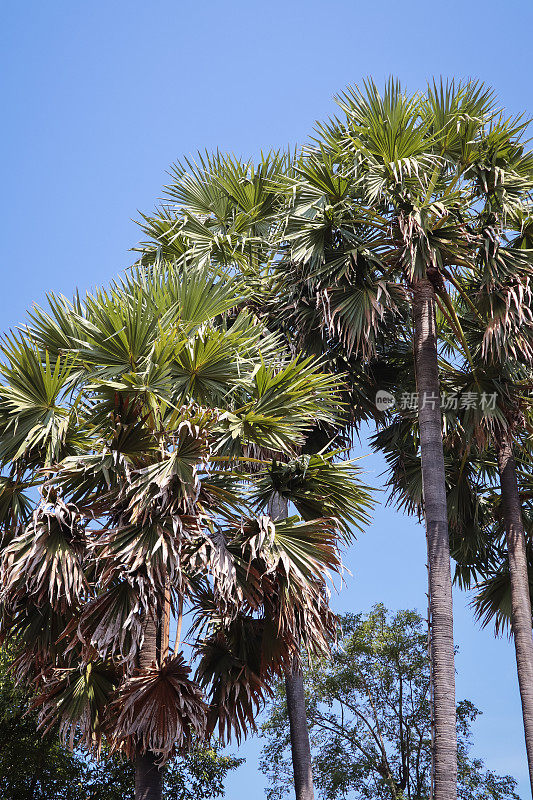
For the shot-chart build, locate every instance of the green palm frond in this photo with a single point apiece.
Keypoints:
(55, 328)
(15, 503)
(76, 700)
(289, 562)
(284, 402)
(37, 631)
(35, 413)
(149, 410)
(318, 485)
(492, 600)
(210, 366)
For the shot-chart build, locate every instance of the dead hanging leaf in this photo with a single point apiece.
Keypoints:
(112, 622)
(47, 558)
(231, 670)
(159, 710)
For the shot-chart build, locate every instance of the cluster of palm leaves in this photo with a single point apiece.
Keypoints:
(397, 248)
(144, 430)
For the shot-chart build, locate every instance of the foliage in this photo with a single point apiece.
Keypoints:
(198, 776)
(369, 717)
(32, 767)
(140, 421)
(37, 767)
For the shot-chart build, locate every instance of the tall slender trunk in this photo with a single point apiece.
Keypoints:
(148, 776)
(520, 598)
(300, 745)
(435, 510)
(295, 693)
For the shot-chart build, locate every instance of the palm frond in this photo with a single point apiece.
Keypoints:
(159, 710)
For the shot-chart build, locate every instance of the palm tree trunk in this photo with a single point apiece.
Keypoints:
(294, 690)
(435, 510)
(300, 745)
(520, 598)
(148, 777)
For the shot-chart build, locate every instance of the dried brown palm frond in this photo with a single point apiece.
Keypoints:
(307, 618)
(209, 555)
(230, 671)
(93, 480)
(159, 710)
(112, 623)
(170, 486)
(153, 549)
(46, 559)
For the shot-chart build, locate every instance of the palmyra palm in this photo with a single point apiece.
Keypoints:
(500, 335)
(147, 417)
(388, 210)
(494, 311)
(416, 171)
(225, 211)
(487, 428)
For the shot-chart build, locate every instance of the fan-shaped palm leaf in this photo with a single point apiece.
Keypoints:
(160, 710)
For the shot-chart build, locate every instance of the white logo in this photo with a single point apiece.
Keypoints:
(384, 400)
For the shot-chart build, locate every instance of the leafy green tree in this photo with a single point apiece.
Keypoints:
(370, 723)
(32, 766)
(199, 775)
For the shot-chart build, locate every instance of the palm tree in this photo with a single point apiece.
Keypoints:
(486, 527)
(315, 485)
(494, 305)
(139, 413)
(505, 376)
(229, 213)
(384, 204)
(379, 216)
(216, 201)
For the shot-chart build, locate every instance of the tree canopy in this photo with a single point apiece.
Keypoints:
(369, 719)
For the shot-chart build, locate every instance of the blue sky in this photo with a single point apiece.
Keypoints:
(99, 98)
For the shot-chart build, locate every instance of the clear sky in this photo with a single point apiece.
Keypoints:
(98, 98)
